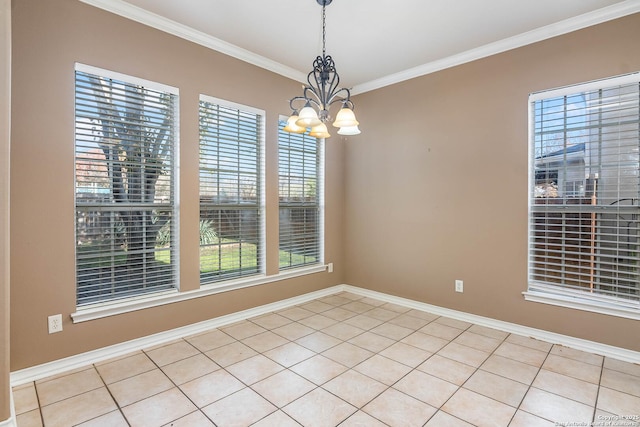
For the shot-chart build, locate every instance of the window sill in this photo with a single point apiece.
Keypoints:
(583, 301)
(98, 311)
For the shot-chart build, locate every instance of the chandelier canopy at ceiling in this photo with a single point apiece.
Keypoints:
(319, 94)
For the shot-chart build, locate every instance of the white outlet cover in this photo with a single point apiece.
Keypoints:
(55, 323)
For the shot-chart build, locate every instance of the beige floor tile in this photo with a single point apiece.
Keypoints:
(270, 321)
(159, 409)
(478, 410)
(620, 381)
(242, 330)
(231, 353)
(254, 369)
(293, 331)
(427, 388)
(343, 331)
(362, 419)
(496, 387)
(210, 340)
(524, 419)
(363, 322)
(620, 366)
(454, 323)
(349, 295)
(582, 356)
(358, 307)
(424, 341)
(283, 387)
(399, 410)
(78, 409)
(573, 368)
(67, 373)
(462, 353)
(441, 331)
(529, 342)
(295, 313)
(25, 398)
(318, 321)
(319, 408)
(442, 419)
(393, 332)
(335, 300)
(383, 314)
(372, 301)
(194, 419)
(347, 354)
(239, 409)
(316, 306)
(406, 354)
(29, 419)
(289, 354)
(125, 368)
(618, 403)
(212, 387)
(372, 342)
(385, 370)
(568, 387)
(477, 341)
(276, 419)
(189, 369)
(408, 321)
(67, 386)
(319, 369)
(140, 387)
(172, 353)
(318, 341)
(265, 341)
(488, 332)
(511, 369)
(355, 388)
(422, 315)
(522, 354)
(339, 314)
(447, 369)
(112, 419)
(556, 408)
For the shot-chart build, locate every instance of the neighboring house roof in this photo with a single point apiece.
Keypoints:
(576, 150)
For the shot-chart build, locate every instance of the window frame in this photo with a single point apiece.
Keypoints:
(557, 294)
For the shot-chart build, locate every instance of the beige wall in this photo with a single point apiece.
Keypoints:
(5, 126)
(436, 186)
(48, 38)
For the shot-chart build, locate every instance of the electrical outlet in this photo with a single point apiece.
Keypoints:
(55, 323)
(330, 267)
(459, 286)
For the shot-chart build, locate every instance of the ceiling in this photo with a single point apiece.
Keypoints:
(374, 43)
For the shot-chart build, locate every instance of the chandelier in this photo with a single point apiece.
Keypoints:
(319, 94)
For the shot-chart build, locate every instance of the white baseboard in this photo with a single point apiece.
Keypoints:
(59, 366)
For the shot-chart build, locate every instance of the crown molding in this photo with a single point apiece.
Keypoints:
(579, 22)
(161, 23)
(129, 11)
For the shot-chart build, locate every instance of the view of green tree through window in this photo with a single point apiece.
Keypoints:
(231, 194)
(299, 195)
(125, 144)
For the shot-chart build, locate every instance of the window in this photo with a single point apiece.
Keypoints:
(584, 210)
(299, 191)
(231, 192)
(125, 197)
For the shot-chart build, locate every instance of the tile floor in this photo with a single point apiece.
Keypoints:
(342, 360)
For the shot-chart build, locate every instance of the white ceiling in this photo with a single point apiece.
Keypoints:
(373, 42)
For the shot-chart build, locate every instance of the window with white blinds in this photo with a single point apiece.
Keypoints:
(231, 190)
(299, 190)
(584, 210)
(125, 197)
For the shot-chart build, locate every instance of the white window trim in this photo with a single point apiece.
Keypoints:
(106, 309)
(568, 298)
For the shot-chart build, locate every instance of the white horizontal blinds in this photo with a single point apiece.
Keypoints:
(125, 145)
(299, 192)
(230, 191)
(584, 222)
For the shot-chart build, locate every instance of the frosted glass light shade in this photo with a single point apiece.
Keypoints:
(345, 118)
(292, 126)
(308, 117)
(320, 131)
(349, 130)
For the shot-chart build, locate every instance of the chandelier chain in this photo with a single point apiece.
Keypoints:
(324, 30)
